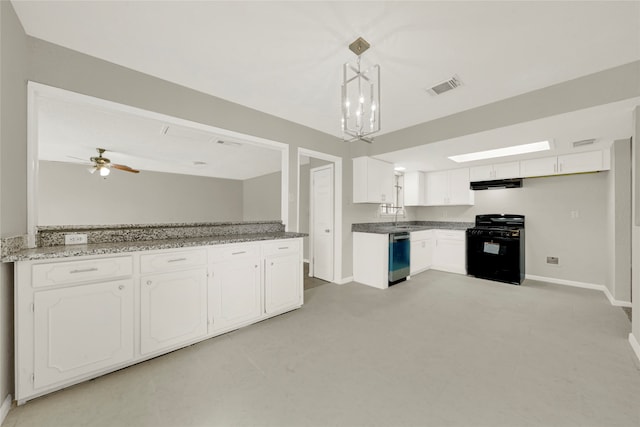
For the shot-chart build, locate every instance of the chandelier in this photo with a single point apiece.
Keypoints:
(360, 97)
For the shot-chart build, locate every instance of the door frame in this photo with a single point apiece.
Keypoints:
(337, 207)
(312, 254)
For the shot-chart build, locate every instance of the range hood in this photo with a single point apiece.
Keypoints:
(496, 184)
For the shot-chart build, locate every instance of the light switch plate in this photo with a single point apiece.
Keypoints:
(75, 239)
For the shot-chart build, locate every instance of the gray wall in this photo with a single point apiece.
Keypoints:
(13, 135)
(68, 194)
(635, 265)
(580, 243)
(619, 221)
(261, 197)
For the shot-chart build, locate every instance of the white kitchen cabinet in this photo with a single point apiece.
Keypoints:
(422, 249)
(581, 162)
(235, 287)
(282, 276)
(450, 251)
(449, 187)
(373, 181)
(539, 167)
(371, 259)
(437, 188)
(414, 189)
(76, 320)
(80, 330)
(173, 309)
(587, 161)
(495, 171)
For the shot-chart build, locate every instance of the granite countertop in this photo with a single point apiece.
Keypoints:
(118, 247)
(389, 227)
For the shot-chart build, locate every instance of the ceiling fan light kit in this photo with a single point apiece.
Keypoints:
(360, 97)
(104, 165)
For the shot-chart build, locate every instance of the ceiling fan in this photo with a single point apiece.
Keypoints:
(104, 165)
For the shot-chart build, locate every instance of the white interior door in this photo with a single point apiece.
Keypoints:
(322, 222)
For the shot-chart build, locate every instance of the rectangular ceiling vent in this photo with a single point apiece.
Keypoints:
(583, 142)
(445, 86)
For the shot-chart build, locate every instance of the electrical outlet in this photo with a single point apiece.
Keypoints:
(575, 214)
(75, 239)
(552, 260)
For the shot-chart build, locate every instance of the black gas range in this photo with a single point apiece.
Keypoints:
(495, 248)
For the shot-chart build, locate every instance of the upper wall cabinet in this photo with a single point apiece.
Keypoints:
(589, 161)
(450, 187)
(414, 189)
(372, 181)
(497, 171)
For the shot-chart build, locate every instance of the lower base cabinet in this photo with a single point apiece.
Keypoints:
(281, 289)
(81, 329)
(76, 320)
(422, 248)
(450, 253)
(234, 287)
(173, 309)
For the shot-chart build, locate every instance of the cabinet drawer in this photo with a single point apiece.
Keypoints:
(60, 273)
(421, 235)
(172, 261)
(281, 247)
(450, 234)
(228, 253)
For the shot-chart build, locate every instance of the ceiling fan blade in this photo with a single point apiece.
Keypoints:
(92, 170)
(124, 168)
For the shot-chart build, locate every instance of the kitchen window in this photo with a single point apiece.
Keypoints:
(397, 206)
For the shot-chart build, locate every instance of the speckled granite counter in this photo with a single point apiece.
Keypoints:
(106, 239)
(62, 251)
(389, 227)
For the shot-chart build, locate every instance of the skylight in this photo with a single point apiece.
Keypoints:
(502, 152)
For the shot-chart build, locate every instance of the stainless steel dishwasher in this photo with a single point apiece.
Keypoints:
(399, 256)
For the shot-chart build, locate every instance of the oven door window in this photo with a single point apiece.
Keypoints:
(491, 248)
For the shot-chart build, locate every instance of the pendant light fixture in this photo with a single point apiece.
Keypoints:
(360, 97)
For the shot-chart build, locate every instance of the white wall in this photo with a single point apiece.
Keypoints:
(68, 194)
(579, 243)
(261, 197)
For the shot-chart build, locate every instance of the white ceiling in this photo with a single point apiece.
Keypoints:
(284, 58)
(70, 131)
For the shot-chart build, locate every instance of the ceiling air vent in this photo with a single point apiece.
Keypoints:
(445, 86)
(583, 142)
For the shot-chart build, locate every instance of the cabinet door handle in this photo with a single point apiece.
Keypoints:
(121, 287)
(84, 270)
(238, 253)
(177, 260)
(149, 282)
(284, 247)
(560, 167)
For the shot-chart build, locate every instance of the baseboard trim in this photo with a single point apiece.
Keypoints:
(584, 285)
(4, 409)
(635, 345)
(614, 301)
(344, 280)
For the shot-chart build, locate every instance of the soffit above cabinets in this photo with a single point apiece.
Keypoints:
(604, 123)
